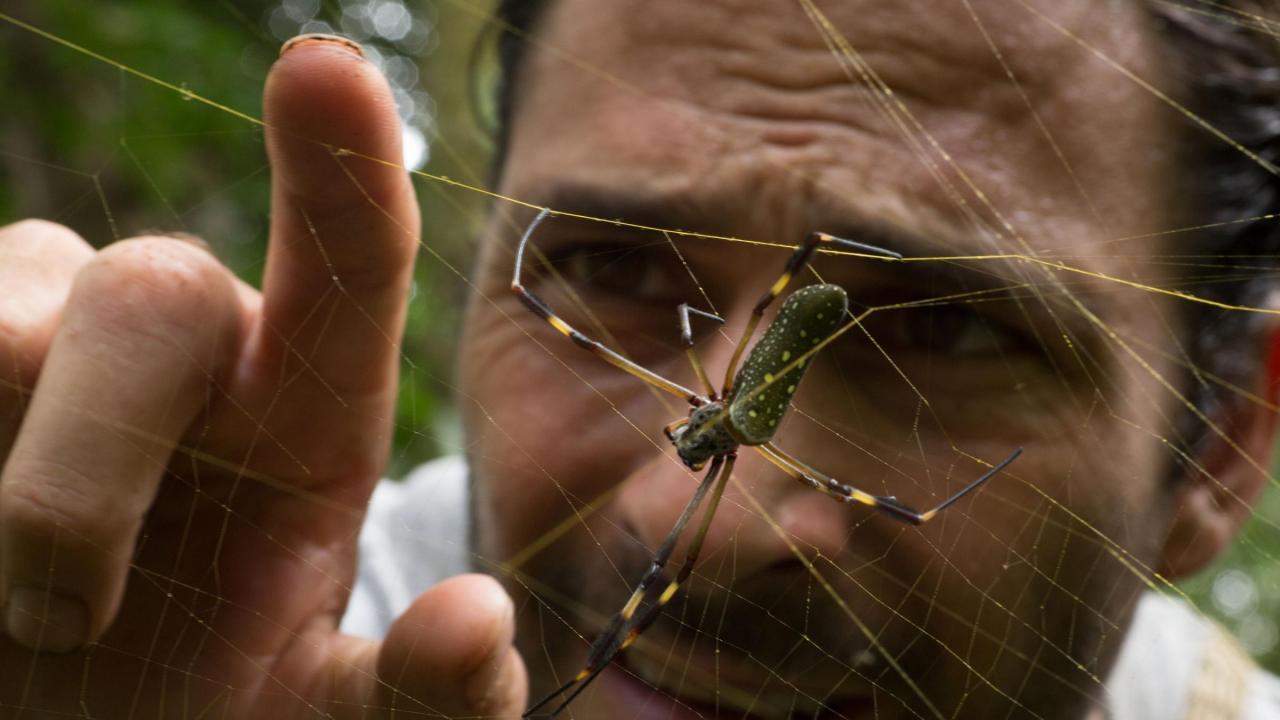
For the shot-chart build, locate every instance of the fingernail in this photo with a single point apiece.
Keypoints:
(46, 621)
(336, 41)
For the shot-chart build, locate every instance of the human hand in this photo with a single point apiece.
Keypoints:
(182, 488)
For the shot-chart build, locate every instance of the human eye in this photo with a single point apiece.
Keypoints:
(951, 353)
(623, 290)
(630, 271)
(966, 342)
(955, 331)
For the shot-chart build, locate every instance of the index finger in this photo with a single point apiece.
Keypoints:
(344, 231)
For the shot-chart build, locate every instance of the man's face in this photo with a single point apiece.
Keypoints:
(1005, 135)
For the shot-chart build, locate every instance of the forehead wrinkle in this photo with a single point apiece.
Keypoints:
(678, 135)
(934, 53)
(766, 76)
(777, 51)
(769, 61)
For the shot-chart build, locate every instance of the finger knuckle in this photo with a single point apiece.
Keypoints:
(44, 236)
(23, 341)
(163, 280)
(41, 500)
(38, 258)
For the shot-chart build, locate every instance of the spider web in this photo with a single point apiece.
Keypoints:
(129, 144)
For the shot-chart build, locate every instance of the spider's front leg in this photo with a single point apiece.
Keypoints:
(686, 340)
(544, 311)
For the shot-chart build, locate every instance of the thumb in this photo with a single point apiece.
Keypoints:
(448, 655)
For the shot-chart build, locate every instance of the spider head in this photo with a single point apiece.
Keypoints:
(703, 437)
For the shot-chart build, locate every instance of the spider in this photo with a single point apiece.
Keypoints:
(746, 411)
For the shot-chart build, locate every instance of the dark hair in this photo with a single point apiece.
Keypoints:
(516, 19)
(1226, 65)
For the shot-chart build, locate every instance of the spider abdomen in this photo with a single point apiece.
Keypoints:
(773, 370)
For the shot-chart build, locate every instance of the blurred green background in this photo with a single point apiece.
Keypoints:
(112, 155)
(89, 145)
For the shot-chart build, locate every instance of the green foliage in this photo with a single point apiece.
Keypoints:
(1242, 588)
(92, 145)
(164, 162)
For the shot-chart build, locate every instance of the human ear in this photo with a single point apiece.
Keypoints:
(1212, 505)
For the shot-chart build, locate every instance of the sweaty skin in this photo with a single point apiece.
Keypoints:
(736, 119)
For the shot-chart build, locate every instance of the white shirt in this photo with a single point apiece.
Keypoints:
(1175, 663)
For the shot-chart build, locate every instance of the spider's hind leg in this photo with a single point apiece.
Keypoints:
(630, 622)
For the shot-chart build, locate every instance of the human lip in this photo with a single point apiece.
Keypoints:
(638, 698)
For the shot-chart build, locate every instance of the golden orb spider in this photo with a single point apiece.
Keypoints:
(746, 411)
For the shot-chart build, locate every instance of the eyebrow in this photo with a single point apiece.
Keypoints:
(659, 211)
(678, 213)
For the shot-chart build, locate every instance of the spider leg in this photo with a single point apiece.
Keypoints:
(627, 625)
(686, 339)
(887, 504)
(544, 311)
(795, 264)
